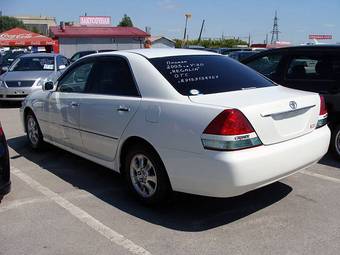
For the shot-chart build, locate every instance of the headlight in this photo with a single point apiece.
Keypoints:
(2, 84)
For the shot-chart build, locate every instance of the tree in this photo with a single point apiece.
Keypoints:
(212, 43)
(7, 23)
(125, 22)
(35, 30)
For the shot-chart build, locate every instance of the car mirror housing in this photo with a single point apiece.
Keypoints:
(4, 69)
(48, 86)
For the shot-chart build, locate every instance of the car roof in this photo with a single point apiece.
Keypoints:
(243, 52)
(85, 51)
(40, 55)
(159, 53)
(325, 47)
(308, 47)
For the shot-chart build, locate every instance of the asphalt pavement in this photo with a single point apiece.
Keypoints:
(63, 204)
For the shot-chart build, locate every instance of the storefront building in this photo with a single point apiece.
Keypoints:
(72, 39)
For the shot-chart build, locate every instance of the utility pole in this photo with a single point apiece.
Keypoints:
(275, 32)
(249, 40)
(200, 36)
(187, 16)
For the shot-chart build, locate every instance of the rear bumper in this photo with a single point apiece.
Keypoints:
(226, 174)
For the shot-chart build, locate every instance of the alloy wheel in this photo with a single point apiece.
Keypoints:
(143, 175)
(32, 130)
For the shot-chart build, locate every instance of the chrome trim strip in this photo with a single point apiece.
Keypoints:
(276, 113)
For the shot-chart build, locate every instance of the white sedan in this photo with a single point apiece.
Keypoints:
(181, 120)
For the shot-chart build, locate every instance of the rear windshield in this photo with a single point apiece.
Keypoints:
(193, 75)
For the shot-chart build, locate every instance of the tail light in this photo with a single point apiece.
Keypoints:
(323, 113)
(230, 130)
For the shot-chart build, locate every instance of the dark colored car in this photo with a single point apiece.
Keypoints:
(5, 183)
(241, 55)
(81, 54)
(313, 68)
(227, 51)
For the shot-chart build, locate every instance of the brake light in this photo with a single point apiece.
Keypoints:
(230, 130)
(229, 122)
(323, 113)
(1, 131)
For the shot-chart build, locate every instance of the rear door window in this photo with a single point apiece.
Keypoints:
(313, 72)
(112, 76)
(313, 68)
(207, 74)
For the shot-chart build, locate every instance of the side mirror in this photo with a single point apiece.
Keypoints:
(4, 69)
(61, 67)
(48, 86)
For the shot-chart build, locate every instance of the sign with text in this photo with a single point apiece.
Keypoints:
(95, 20)
(321, 37)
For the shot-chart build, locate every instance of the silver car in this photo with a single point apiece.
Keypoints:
(28, 73)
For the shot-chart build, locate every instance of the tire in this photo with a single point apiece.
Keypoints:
(33, 132)
(335, 142)
(151, 186)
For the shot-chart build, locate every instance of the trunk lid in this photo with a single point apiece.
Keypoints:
(276, 113)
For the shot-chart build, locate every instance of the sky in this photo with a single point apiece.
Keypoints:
(236, 18)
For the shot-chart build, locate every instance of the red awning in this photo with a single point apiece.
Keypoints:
(22, 37)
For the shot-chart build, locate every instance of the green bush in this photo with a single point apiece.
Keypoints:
(212, 43)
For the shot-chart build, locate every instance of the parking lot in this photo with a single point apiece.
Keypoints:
(63, 204)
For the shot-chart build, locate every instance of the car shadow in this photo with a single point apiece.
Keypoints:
(183, 212)
(329, 160)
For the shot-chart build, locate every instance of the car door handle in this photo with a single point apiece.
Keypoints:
(123, 108)
(74, 104)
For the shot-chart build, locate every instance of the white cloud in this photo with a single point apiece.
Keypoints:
(329, 25)
(168, 4)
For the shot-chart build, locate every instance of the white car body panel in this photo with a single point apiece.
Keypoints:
(268, 111)
(173, 124)
(102, 140)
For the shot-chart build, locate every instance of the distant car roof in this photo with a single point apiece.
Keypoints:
(243, 52)
(158, 53)
(40, 55)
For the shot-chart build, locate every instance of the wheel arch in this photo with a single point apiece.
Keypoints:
(132, 141)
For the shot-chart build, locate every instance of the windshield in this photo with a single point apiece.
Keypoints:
(34, 64)
(195, 74)
(10, 57)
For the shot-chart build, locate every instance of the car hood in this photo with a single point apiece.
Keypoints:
(27, 75)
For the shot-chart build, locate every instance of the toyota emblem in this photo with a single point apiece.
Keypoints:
(293, 105)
